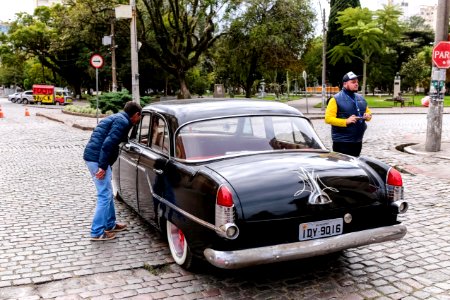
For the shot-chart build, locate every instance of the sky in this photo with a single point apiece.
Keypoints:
(8, 8)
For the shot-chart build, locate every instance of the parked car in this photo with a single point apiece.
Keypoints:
(26, 97)
(13, 97)
(62, 97)
(242, 182)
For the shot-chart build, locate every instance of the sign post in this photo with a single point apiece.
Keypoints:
(441, 62)
(306, 92)
(441, 58)
(97, 62)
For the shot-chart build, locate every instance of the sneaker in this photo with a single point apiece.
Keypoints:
(104, 237)
(117, 227)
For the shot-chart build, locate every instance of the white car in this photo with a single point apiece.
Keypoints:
(26, 97)
(14, 97)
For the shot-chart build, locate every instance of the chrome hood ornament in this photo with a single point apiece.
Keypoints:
(311, 181)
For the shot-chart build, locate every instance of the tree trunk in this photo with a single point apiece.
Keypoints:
(363, 88)
(184, 90)
(248, 87)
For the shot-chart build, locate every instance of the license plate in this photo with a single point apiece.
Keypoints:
(320, 229)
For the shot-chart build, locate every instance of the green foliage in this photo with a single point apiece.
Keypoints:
(416, 71)
(180, 31)
(313, 63)
(115, 101)
(335, 37)
(370, 35)
(269, 36)
(84, 109)
(199, 81)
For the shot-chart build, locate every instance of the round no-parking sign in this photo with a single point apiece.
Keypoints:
(97, 61)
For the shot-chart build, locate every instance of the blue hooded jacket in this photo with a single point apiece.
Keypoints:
(103, 146)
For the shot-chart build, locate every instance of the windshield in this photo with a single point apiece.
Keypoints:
(230, 136)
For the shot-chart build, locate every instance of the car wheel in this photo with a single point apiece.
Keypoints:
(179, 247)
(24, 101)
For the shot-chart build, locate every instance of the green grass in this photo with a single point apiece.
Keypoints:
(376, 101)
(380, 101)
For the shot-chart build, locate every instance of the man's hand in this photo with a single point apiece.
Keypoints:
(352, 119)
(367, 117)
(100, 173)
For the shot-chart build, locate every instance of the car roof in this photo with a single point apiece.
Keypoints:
(204, 108)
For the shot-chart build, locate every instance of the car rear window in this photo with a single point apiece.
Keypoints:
(215, 138)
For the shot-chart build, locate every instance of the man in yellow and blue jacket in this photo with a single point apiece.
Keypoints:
(347, 113)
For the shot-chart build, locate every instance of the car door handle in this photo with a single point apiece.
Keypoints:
(129, 147)
(158, 171)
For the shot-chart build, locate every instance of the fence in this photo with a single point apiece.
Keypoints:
(318, 89)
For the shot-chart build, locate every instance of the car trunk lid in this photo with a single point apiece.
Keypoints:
(291, 185)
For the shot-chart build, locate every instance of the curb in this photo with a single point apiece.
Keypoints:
(48, 117)
(410, 150)
(75, 125)
(87, 128)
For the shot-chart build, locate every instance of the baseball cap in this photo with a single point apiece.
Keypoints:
(349, 76)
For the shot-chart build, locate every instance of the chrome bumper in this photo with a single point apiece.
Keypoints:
(298, 250)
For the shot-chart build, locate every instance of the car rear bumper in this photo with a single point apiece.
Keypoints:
(298, 250)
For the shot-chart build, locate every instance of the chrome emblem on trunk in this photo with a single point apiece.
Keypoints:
(311, 181)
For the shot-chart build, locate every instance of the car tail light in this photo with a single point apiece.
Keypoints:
(394, 177)
(224, 197)
(225, 214)
(394, 185)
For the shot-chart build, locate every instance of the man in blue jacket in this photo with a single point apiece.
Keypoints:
(100, 154)
(347, 113)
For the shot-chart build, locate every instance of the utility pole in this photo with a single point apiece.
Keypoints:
(113, 57)
(134, 55)
(435, 110)
(324, 59)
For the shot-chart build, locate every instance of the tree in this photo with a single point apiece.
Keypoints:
(416, 71)
(43, 36)
(313, 60)
(369, 35)
(269, 37)
(178, 32)
(335, 37)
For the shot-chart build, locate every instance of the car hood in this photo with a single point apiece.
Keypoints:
(289, 185)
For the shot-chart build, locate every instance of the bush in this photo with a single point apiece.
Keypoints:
(115, 101)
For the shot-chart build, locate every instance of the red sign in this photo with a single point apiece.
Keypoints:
(441, 55)
(96, 61)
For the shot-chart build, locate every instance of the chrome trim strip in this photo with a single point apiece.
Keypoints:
(298, 250)
(185, 213)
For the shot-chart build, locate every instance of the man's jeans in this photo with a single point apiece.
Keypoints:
(105, 214)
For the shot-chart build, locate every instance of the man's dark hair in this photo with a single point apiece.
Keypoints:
(131, 108)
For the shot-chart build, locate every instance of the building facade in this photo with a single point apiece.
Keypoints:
(428, 13)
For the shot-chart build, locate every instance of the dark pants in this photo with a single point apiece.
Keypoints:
(353, 149)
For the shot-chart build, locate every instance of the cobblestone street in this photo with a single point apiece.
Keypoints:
(47, 201)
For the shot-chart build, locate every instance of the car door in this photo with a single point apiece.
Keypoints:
(151, 169)
(128, 161)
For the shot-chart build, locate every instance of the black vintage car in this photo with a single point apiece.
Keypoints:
(245, 182)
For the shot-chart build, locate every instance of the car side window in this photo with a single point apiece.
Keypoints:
(144, 130)
(160, 135)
